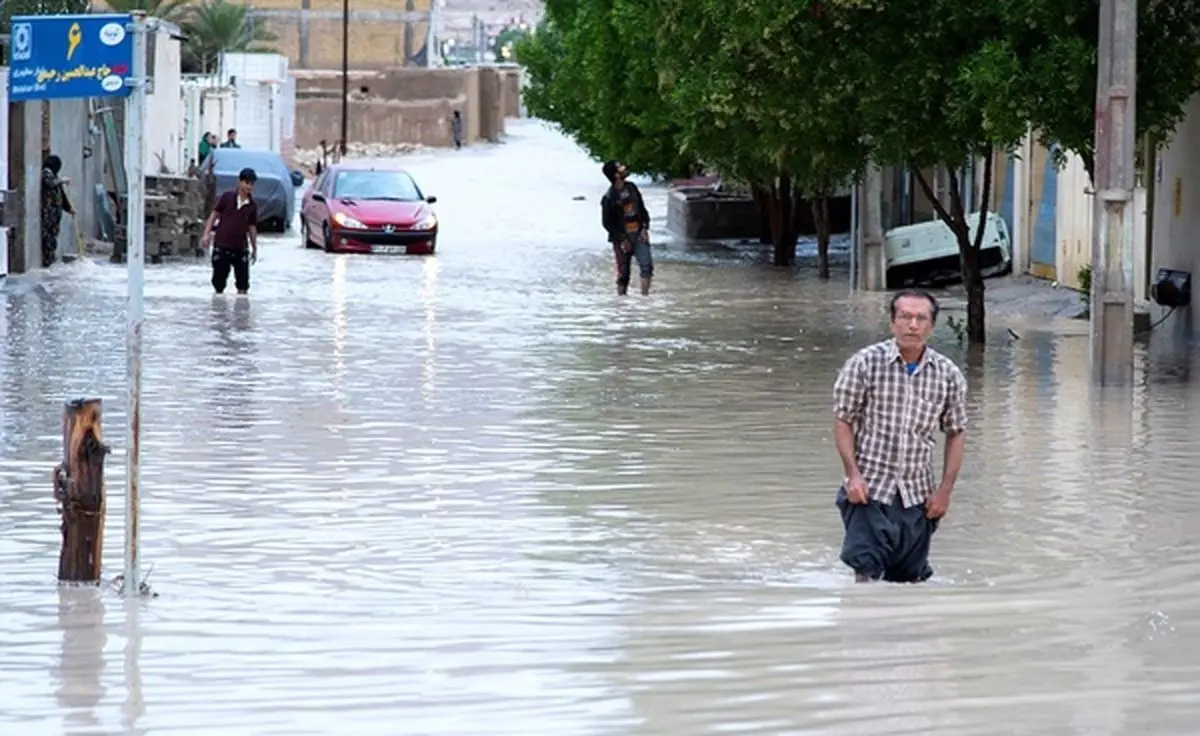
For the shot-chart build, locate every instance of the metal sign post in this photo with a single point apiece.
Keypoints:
(83, 56)
(135, 260)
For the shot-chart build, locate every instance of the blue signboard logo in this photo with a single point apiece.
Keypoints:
(69, 56)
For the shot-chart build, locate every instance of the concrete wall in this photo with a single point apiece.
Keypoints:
(68, 140)
(377, 121)
(693, 216)
(162, 142)
(420, 97)
(382, 33)
(1176, 208)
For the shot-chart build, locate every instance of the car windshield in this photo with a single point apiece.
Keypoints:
(391, 185)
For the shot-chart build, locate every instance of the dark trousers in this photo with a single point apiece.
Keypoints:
(887, 541)
(639, 252)
(49, 248)
(225, 260)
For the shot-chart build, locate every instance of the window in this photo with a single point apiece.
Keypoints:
(392, 185)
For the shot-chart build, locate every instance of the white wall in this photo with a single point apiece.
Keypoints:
(1075, 218)
(164, 107)
(4, 166)
(1176, 236)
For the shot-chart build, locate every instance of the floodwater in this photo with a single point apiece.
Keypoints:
(478, 494)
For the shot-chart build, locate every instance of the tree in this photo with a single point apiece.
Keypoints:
(215, 26)
(507, 39)
(592, 72)
(937, 90)
(765, 98)
(38, 7)
(173, 11)
(1056, 43)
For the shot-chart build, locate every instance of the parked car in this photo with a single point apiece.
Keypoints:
(359, 208)
(926, 254)
(274, 192)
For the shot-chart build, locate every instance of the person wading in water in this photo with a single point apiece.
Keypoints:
(888, 400)
(236, 218)
(625, 219)
(54, 204)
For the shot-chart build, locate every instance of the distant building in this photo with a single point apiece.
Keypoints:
(383, 33)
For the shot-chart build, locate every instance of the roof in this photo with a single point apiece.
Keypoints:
(362, 165)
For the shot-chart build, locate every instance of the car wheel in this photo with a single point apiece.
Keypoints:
(327, 238)
(304, 236)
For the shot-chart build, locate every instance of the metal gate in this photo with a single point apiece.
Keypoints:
(1043, 206)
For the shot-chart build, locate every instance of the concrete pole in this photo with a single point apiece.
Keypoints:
(1113, 219)
(432, 51)
(31, 186)
(135, 261)
(870, 225)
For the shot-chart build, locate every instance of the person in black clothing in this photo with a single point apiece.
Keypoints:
(625, 219)
(54, 204)
(235, 218)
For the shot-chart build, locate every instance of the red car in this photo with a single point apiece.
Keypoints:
(358, 208)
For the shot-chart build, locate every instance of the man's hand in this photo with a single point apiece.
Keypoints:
(938, 504)
(856, 490)
(626, 246)
(254, 256)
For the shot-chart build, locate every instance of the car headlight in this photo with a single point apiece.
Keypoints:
(348, 222)
(428, 222)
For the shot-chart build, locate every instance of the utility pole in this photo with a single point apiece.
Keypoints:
(433, 44)
(345, 73)
(870, 265)
(1113, 217)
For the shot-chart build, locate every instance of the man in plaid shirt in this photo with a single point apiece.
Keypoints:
(889, 399)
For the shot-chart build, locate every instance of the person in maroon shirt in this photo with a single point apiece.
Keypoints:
(235, 217)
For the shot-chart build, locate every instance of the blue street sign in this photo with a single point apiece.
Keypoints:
(69, 56)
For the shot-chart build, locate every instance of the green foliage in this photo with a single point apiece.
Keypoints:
(936, 80)
(38, 7)
(172, 11)
(1056, 43)
(1084, 276)
(592, 71)
(762, 90)
(214, 26)
(506, 41)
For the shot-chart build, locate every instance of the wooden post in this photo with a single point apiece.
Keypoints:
(79, 491)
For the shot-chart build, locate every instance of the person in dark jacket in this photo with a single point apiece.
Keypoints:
(625, 219)
(54, 204)
(456, 129)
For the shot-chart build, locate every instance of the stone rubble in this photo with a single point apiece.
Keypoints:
(306, 159)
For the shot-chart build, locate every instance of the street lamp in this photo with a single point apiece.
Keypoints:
(345, 71)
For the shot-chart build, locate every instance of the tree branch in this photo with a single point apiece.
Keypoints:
(933, 198)
(986, 194)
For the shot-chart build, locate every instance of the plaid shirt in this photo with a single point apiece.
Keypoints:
(894, 416)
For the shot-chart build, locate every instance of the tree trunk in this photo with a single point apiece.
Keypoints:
(820, 211)
(763, 199)
(79, 491)
(968, 243)
(783, 221)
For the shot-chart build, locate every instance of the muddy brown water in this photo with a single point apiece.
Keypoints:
(478, 494)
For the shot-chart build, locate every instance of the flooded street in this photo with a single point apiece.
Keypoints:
(478, 494)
